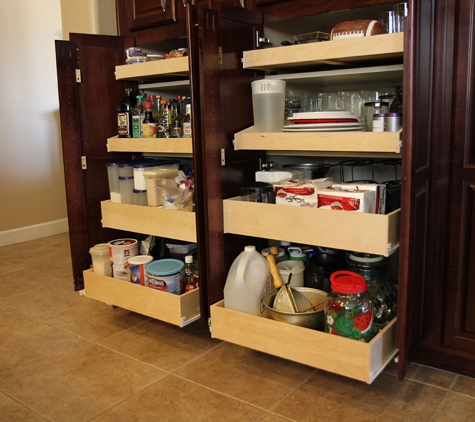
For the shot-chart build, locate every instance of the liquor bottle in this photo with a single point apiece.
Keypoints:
(149, 126)
(124, 115)
(188, 278)
(138, 114)
(156, 107)
(177, 121)
(187, 132)
(163, 127)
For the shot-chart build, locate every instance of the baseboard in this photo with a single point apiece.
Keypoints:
(37, 231)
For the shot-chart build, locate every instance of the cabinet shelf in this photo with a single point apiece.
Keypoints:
(340, 355)
(180, 225)
(157, 145)
(334, 142)
(156, 70)
(338, 53)
(352, 231)
(175, 309)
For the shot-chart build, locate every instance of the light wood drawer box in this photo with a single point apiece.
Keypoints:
(156, 221)
(179, 310)
(351, 231)
(343, 356)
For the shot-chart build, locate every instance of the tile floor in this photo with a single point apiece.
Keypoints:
(64, 357)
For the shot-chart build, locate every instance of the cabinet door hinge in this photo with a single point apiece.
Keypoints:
(220, 55)
(223, 157)
(78, 76)
(83, 162)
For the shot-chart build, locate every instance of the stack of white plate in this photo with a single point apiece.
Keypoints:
(324, 121)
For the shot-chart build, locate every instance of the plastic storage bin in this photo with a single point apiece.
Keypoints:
(114, 187)
(140, 197)
(160, 176)
(126, 190)
(140, 168)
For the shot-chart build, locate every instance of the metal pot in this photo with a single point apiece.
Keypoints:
(313, 320)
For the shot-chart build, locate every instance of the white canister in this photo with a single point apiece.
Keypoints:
(101, 263)
(296, 268)
(268, 104)
(138, 272)
(120, 250)
(164, 274)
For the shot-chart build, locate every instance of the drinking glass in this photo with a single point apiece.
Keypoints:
(388, 19)
(400, 13)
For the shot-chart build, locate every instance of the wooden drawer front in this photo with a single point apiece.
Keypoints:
(160, 145)
(179, 310)
(335, 142)
(347, 357)
(173, 224)
(167, 69)
(351, 231)
(312, 54)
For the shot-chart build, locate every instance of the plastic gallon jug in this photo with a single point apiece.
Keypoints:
(248, 282)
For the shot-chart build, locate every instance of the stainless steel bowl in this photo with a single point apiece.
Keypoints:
(313, 320)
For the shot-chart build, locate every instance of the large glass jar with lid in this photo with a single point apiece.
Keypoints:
(349, 307)
(374, 269)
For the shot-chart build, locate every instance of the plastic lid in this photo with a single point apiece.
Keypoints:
(250, 248)
(100, 248)
(188, 259)
(283, 243)
(165, 267)
(348, 282)
(393, 114)
(140, 259)
(368, 258)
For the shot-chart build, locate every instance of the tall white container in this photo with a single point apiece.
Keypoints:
(247, 283)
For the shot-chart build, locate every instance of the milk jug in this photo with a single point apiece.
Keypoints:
(248, 282)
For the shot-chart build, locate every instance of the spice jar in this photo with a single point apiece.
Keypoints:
(349, 307)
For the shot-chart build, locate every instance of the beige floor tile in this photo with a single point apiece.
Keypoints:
(68, 310)
(163, 345)
(425, 374)
(83, 385)
(248, 375)
(10, 410)
(11, 320)
(29, 347)
(465, 386)
(176, 400)
(325, 393)
(270, 417)
(456, 408)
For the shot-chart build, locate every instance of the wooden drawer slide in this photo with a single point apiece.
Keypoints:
(351, 231)
(347, 357)
(179, 310)
(173, 224)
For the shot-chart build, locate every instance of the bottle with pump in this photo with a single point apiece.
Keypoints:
(149, 126)
(188, 279)
(124, 115)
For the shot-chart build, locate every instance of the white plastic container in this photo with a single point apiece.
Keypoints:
(101, 263)
(248, 282)
(120, 250)
(296, 268)
(268, 104)
(281, 256)
(137, 269)
(139, 170)
(113, 175)
(163, 176)
(126, 190)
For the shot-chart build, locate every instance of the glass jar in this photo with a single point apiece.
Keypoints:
(374, 269)
(349, 307)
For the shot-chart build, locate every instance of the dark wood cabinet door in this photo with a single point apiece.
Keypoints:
(143, 14)
(88, 118)
(221, 104)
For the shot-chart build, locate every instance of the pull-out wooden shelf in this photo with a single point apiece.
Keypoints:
(331, 142)
(159, 69)
(351, 231)
(337, 52)
(156, 221)
(175, 309)
(157, 145)
(347, 357)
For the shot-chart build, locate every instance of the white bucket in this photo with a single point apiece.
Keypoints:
(248, 282)
(138, 273)
(120, 250)
(296, 268)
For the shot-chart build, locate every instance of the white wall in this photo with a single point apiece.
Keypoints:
(32, 187)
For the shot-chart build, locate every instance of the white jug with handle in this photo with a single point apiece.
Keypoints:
(248, 282)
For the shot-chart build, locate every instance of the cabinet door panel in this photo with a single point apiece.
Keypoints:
(143, 14)
(88, 118)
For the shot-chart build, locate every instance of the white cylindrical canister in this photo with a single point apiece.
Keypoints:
(120, 250)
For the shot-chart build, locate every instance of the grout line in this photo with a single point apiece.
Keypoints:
(447, 394)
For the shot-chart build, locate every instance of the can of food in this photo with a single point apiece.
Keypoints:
(138, 273)
(164, 274)
(392, 122)
(120, 250)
